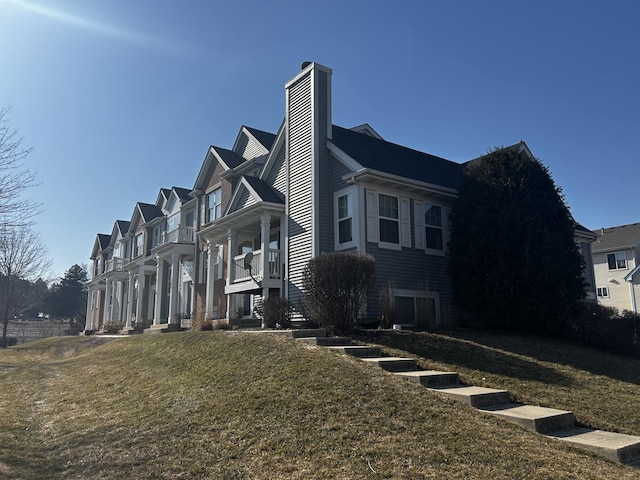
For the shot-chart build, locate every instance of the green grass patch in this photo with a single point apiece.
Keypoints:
(224, 405)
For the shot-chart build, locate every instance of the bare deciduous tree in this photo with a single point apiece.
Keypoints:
(14, 178)
(22, 257)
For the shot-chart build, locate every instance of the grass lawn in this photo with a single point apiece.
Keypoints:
(225, 405)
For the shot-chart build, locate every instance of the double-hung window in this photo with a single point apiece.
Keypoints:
(139, 245)
(603, 292)
(389, 218)
(433, 226)
(213, 205)
(617, 261)
(345, 218)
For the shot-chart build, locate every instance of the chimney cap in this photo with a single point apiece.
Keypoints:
(305, 65)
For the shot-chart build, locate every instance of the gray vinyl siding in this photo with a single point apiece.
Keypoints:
(338, 170)
(410, 269)
(245, 200)
(277, 176)
(249, 149)
(300, 198)
(325, 195)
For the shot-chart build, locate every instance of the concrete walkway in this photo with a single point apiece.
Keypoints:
(555, 424)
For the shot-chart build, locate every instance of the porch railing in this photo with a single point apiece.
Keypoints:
(179, 235)
(115, 264)
(240, 274)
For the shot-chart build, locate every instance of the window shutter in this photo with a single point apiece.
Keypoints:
(405, 222)
(418, 218)
(372, 216)
(446, 231)
(203, 204)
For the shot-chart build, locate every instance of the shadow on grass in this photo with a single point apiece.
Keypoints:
(589, 359)
(467, 354)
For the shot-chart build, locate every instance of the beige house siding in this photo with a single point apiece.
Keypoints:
(613, 280)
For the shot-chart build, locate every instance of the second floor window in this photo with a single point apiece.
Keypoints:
(345, 218)
(138, 246)
(617, 261)
(433, 226)
(389, 218)
(213, 205)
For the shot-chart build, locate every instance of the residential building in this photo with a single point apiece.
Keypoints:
(616, 259)
(263, 208)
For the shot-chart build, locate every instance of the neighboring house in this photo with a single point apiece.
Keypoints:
(274, 201)
(616, 259)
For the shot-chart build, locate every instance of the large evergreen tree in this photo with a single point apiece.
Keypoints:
(67, 298)
(514, 261)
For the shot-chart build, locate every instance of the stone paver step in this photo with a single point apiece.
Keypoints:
(327, 341)
(538, 419)
(361, 351)
(431, 378)
(393, 364)
(477, 397)
(618, 447)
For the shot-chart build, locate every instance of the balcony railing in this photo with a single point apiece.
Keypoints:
(115, 264)
(179, 235)
(240, 274)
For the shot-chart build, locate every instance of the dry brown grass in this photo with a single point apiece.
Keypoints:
(238, 405)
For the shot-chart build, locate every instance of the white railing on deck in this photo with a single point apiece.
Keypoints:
(179, 235)
(115, 264)
(240, 274)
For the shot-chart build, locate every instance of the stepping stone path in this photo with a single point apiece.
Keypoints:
(557, 424)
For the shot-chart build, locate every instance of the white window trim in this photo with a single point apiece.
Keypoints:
(401, 292)
(626, 261)
(355, 225)
(435, 251)
(373, 220)
(602, 290)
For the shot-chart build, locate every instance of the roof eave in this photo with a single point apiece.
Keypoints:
(376, 176)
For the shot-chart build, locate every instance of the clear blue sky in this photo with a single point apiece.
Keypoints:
(120, 98)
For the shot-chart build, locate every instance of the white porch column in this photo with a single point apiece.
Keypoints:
(174, 292)
(139, 297)
(210, 289)
(157, 311)
(88, 324)
(108, 301)
(232, 244)
(129, 307)
(265, 230)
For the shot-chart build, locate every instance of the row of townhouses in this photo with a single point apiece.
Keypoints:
(258, 212)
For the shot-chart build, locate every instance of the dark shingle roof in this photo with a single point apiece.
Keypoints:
(624, 236)
(264, 190)
(103, 240)
(149, 211)
(391, 158)
(265, 138)
(123, 226)
(183, 193)
(231, 158)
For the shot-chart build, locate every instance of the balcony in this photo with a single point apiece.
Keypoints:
(239, 274)
(179, 235)
(115, 264)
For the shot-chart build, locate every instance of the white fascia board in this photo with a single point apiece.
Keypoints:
(343, 158)
(631, 274)
(369, 174)
(277, 144)
(246, 132)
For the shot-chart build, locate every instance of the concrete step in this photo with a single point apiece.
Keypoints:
(393, 364)
(327, 341)
(162, 328)
(614, 446)
(477, 397)
(538, 419)
(126, 331)
(432, 378)
(361, 351)
(308, 332)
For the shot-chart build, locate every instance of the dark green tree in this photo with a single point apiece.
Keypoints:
(514, 262)
(68, 297)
